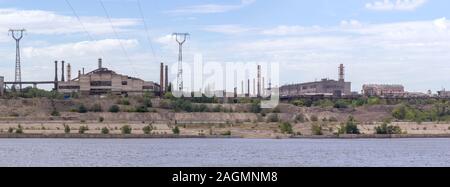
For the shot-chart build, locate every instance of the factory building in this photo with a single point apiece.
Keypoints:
(323, 87)
(444, 94)
(383, 90)
(104, 81)
(2, 85)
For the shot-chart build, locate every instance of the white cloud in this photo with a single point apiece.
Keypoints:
(47, 22)
(227, 29)
(284, 30)
(400, 5)
(211, 8)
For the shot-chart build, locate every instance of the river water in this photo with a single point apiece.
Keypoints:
(224, 152)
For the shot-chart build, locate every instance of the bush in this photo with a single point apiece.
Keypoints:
(105, 130)
(82, 109)
(388, 129)
(255, 108)
(350, 127)
(176, 130)
(66, 129)
(96, 108)
(126, 129)
(83, 129)
(10, 130)
(286, 128)
(147, 102)
(276, 110)
(341, 104)
(19, 130)
(314, 118)
(300, 118)
(123, 102)
(147, 129)
(316, 129)
(272, 118)
(101, 119)
(142, 109)
(114, 109)
(55, 113)
(226, 133)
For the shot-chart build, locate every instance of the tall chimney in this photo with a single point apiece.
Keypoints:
(62, 71)
(248, 88)
(258, 92)
(242, 88)
(100, 63)
(341, 73)
(161, 78)
(79, 75)
(166, 79)
(56, 75)
(254, 86)
(263, 87)
(83, 71)
(56, 71)
(69, 69)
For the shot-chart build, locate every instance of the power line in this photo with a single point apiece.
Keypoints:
(117, 36)
(146, 28)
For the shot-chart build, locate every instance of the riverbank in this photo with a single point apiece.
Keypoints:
(172, 136)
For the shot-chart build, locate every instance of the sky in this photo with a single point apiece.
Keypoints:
(379, 41)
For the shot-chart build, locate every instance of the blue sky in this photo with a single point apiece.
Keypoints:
(380, 41)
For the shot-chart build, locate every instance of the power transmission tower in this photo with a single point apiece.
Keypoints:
(180, 38)
(17, 35)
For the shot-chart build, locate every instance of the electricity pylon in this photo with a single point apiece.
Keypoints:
(17, 35)
(181, 39)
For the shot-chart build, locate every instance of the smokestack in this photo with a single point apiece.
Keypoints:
(263, 87)
(242, 88)
(83, 71)
(100, 63)
(166, 79)
(62, 71)
(56, 71)
(248, 88)
(254, 86)
(161, 78)
(56, 75)
(258, 92)
(341, 73)
(69, 69)
(79, 74)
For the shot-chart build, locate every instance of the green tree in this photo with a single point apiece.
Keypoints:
(286, 128)
(126, 129)
(176, 130)
(105, 130)
(147, 129)
(114, 109)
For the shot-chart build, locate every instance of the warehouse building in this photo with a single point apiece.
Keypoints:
(384, 90)
(323, 87)
(104, 81)
(444, 94)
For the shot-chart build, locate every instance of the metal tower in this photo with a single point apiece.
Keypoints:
(180, 38)
(17, 35)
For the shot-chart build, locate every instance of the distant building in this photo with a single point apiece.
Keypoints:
(444, 93)
(104, 81)
(383, 90)
(2, 85)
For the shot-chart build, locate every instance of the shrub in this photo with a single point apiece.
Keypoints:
(83, 129)
(82, 109)
(114, 109)
(226, 133)
(316, 129)
(66, 129)
(55, 113)
(101, 119)
(19, 130)
(276, 110)
(96, 108)
(314, 118)
(286, 128)
(176, 130)
(126, 129)
(350, 127)
(300, 118)
(341, 104)
(142, 109)
(105, 130)
(388, 129)
(272, 118)
(255, 108)
(123, 102)
(147, 102)
(147, 129)
(10, 130)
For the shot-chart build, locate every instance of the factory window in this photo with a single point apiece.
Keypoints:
(304, 87)
(147, 87)
(124, 83)
(101, 83)
(99, 91)
(69, 87)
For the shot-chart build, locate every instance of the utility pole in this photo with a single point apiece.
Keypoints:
(181, 39)
(17, 35)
